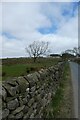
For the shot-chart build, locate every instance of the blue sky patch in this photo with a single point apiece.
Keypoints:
(68, 11)
(8, 35)
(50, 30)
(71, 11)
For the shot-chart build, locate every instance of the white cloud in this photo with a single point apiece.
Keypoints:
(66, 36)
(0, 17)
(22, 21)
(59, 43)
(12, 48)
(39, 0)
(0, 46)
(70, 29)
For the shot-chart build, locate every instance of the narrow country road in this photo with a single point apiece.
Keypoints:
(75, 84)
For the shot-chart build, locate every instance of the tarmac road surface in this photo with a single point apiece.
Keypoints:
(75, 70)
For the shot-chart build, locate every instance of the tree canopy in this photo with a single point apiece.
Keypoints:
(37, 48)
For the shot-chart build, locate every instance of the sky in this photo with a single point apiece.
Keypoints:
(49, 21)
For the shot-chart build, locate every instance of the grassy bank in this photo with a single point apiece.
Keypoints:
(15, 67)
(61, 104)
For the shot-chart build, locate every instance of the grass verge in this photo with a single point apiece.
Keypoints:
(61, 105)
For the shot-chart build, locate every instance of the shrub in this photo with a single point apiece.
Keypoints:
(3, 73)
(27, 70)
(32, 69)
(22, 74)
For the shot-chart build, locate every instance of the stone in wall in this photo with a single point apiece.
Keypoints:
(11, 105)
(4, 94)
(23, 84)
(11, 91)
(5, 113)
(17, 110)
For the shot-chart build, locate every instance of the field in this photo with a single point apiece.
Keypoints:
(14, 67)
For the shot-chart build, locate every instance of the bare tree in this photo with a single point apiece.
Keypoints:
(69, 51)
(75, 50)
(37, 49)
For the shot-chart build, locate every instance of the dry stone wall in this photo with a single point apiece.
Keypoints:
(26, 97)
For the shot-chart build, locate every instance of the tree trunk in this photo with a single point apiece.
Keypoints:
(35, 59)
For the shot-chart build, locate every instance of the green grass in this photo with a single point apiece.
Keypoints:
(60, 104)
(56, 101)
(20, 67)
(14, 70)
